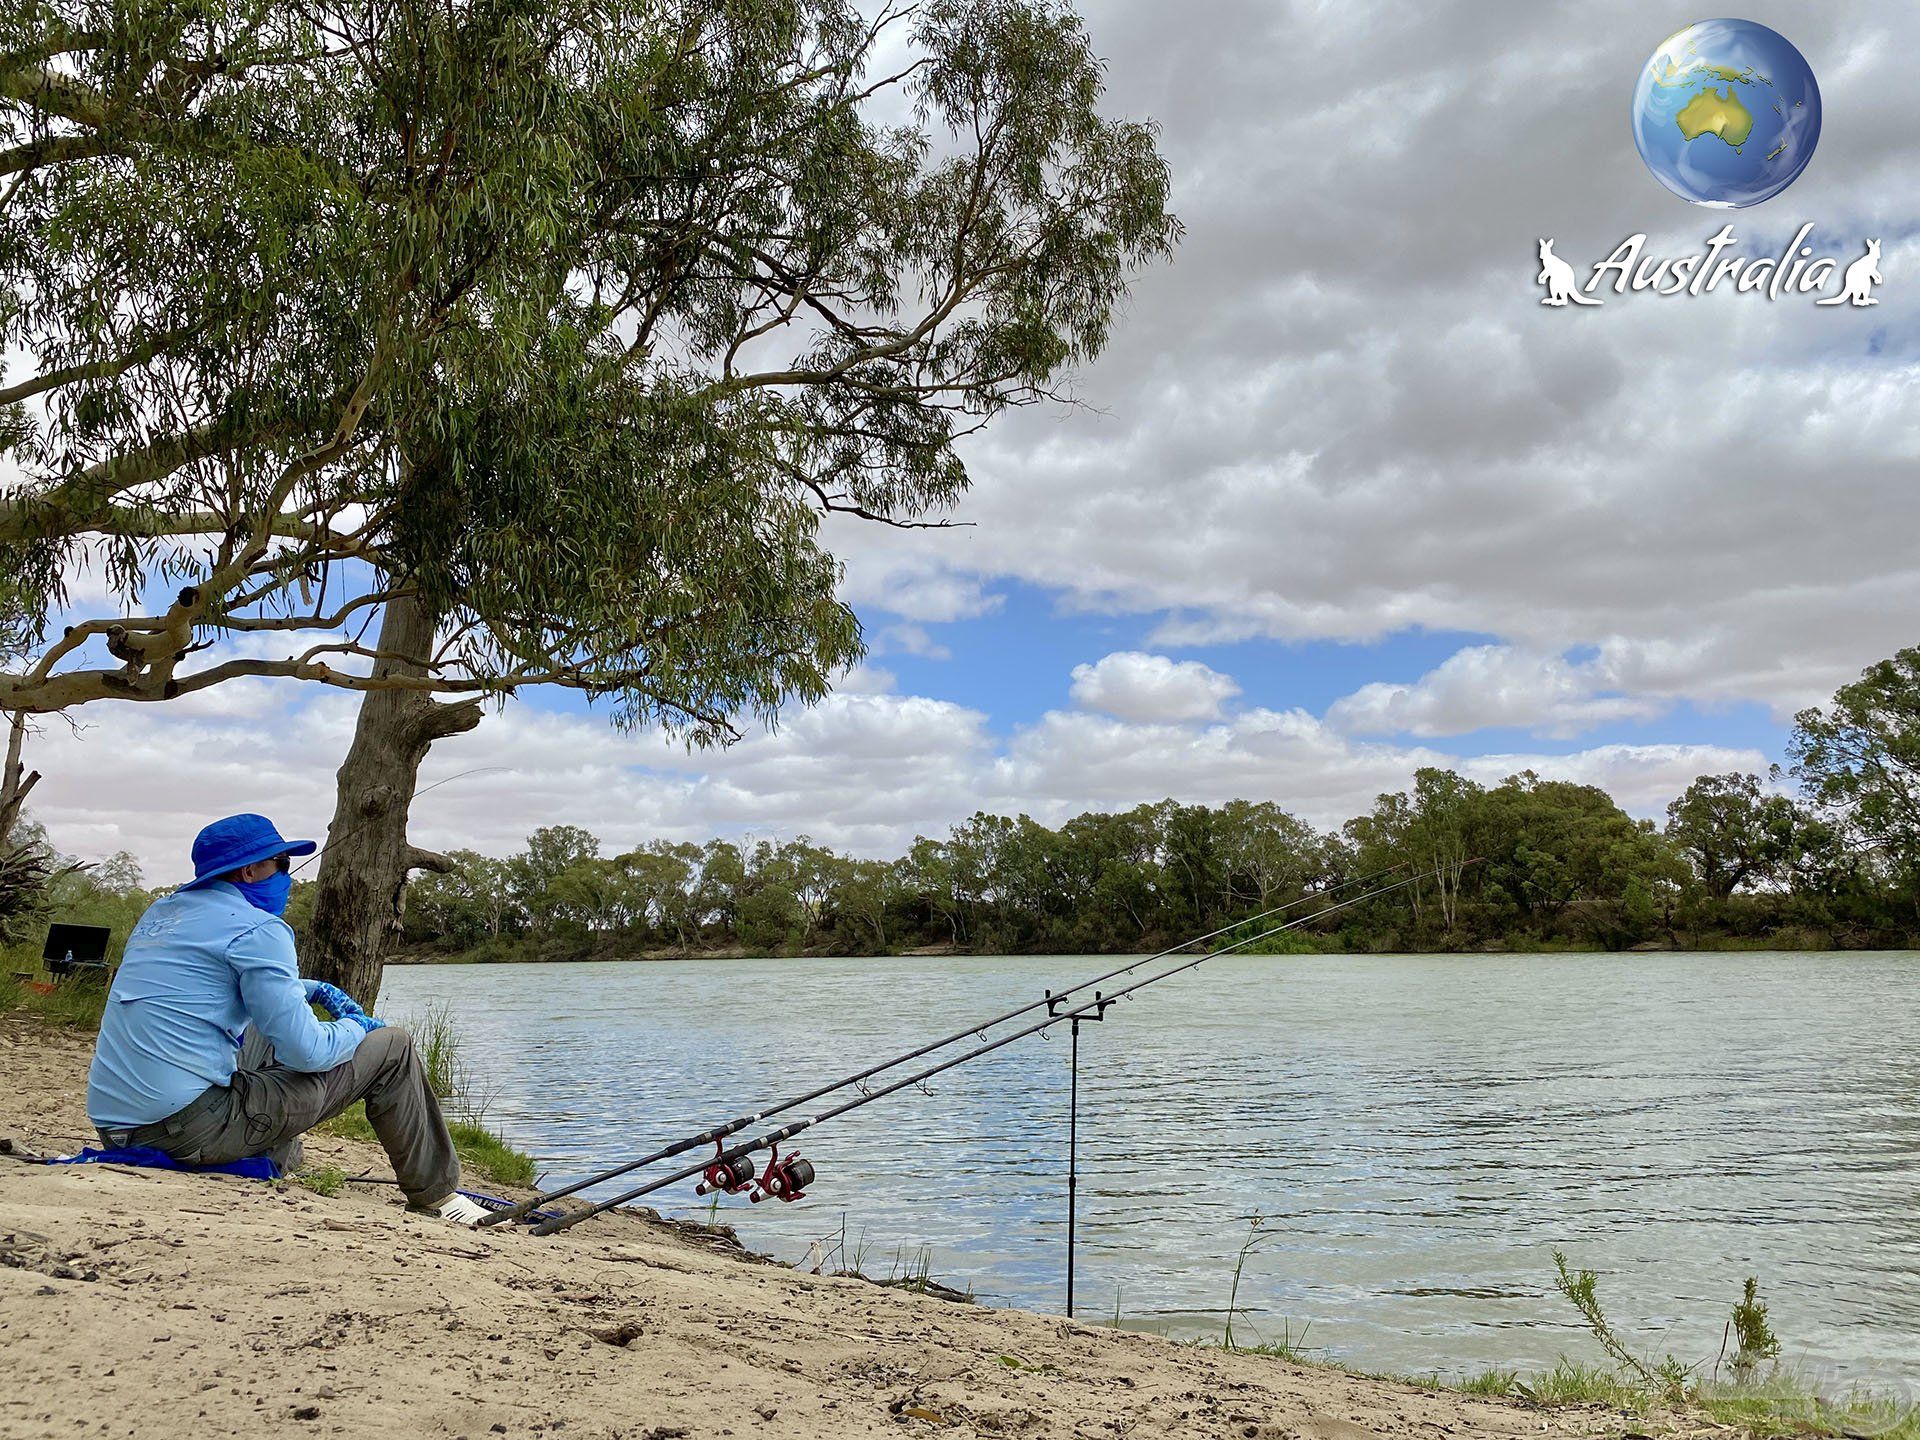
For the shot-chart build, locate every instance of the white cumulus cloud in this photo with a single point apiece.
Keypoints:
(1133, 686)
(1494, 686)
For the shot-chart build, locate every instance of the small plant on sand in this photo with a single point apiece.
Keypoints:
(1751, 1333)
(1569, 1383)
(1772, 1405)
(1777, 1404)
(1024, 1366)
(911, 1272)
(839, 1259)
(1669, 1376)
(1254, 1236)
(320, 1179)
(1289, 1347)
(1491, 1382)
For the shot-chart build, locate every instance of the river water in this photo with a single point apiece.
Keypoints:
(1420, 1133)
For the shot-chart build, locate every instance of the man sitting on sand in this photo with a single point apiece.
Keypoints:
(210, 1052)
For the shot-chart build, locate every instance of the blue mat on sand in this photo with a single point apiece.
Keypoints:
(253, 1167)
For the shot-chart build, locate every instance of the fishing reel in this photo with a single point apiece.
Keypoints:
(731, 1177)
(784, 1180)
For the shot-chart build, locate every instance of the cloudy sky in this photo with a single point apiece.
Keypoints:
(1343, 498)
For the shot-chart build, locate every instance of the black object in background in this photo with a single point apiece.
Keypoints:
(76, 949)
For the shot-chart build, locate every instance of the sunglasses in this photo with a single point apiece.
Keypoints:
(283, 863)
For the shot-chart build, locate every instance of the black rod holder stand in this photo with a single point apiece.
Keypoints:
(1099, 1012)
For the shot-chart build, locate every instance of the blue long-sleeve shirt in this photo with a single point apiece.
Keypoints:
(200, 966)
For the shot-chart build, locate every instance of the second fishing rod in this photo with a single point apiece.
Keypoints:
(724, 1162)
(859, 1077)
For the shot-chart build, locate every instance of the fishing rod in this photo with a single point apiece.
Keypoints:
(740, 1122)
(786, 1179)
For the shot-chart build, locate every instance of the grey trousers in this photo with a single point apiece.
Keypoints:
(266, 1108)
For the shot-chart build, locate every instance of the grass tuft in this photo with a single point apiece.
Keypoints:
(320, 1179)
(1021, 1365)
(437, 1040)
(1569, 1383)
(485, 1153)
(1497, 1383)
(1669, 1375)
(75, 1003)
(1289, 1347)
(1783, 1404)
(481, 1151)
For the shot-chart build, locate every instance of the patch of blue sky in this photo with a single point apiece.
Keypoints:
(1016, 662)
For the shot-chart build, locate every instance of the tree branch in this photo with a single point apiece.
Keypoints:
(93, 370)
(56, 150)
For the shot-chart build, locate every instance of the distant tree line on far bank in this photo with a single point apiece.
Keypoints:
(1737, 863)
(1560, 865)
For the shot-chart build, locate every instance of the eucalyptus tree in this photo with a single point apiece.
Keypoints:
(1430, 829)
(865, 894)
(1268, 853)
(433, 349)
(1732, 833)
(1858, 760)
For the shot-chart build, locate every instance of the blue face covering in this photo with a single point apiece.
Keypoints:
(269, 894)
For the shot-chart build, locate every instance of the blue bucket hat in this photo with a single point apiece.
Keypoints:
(235, 843)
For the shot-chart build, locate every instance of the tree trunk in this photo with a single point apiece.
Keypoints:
(357, 909)
(16, 781)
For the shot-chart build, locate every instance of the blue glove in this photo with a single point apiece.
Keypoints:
(366, 1022)
(335, 1001)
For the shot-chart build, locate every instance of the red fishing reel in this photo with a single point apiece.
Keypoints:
(785, 1180)
(729, 1176)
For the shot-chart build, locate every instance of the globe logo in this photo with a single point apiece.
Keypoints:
(1726, 113)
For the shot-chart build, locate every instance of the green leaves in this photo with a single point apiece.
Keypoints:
(1858, 760)
(1524, 862)
(1732, 833)
(571, 317)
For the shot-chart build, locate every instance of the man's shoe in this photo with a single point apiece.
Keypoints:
(461, 1211)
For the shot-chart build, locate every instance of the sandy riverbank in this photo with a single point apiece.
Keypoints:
(147, 1304)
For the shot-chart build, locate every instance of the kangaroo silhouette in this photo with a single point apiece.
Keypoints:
(1857, 284)
(1559, 279)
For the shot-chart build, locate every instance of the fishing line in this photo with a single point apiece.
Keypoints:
(333, 840)
(725, 1161)
(859, 1077)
